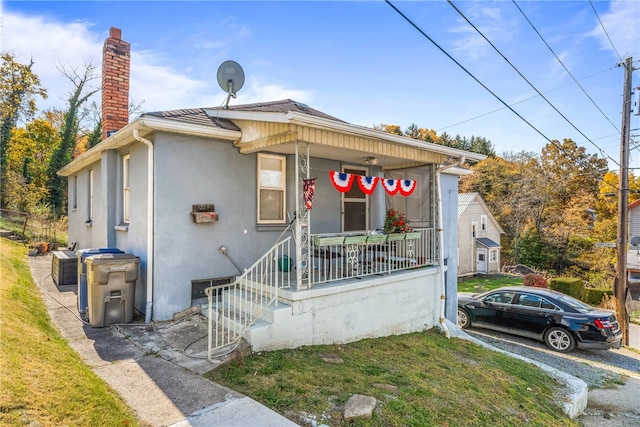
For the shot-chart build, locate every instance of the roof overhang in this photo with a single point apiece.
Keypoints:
(144, 125)
(279, 132)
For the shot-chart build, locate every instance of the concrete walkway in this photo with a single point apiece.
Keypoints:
(162, 386)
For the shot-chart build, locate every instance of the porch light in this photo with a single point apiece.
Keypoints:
(370, 161)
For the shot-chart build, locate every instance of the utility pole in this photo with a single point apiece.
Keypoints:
(620, 286)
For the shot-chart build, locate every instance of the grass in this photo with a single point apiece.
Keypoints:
(480, 284)
(43, 382)
(420, 379)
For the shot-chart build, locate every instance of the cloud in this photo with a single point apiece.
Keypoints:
(621, 24)
(258, 91)
(51, 44)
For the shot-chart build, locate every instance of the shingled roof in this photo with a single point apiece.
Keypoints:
(199, 116)
(282, 106)
(196, 116)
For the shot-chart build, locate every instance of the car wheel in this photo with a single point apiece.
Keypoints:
(559, 339)
(463, 318)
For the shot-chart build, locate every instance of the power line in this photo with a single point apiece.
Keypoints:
(605, 30)
(564, 66)
(406, 18)
(521, 101)
(528, 82)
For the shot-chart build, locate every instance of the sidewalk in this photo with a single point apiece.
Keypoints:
(148, 366)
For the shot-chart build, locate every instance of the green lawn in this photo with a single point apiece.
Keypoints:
(480, 284)
(43, 382)
(420, 379)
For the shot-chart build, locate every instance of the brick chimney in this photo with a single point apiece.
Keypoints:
(115, 83)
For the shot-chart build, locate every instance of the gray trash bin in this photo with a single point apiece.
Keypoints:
(83, 254)
(111, 280)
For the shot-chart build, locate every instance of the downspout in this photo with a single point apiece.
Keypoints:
(150, 215)
(443, 291)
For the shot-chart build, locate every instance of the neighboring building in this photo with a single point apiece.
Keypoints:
(478, 237)
(209, 196)
(633, 256)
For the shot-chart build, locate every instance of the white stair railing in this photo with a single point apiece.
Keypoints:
(235, 307)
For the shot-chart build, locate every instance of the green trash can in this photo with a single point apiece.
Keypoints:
(285, 264)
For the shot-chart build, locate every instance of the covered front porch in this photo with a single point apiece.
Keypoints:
(333, 248)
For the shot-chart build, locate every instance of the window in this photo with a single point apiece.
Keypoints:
(548, 305)
(74, 199)
(355, 205)
(271, 189)
(474, 226)
(500, 297)
(493, 255)
(90, 201)
(530, 301)
(483, 223)
(126, 162)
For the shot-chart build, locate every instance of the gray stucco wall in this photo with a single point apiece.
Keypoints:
(188, 171)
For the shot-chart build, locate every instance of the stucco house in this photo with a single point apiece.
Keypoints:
(270, 217)
(478, 237)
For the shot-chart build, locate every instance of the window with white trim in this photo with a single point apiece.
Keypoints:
(493, 255)
(74, 199)
(271, 189)
(126, 167)
(483, 222)
(90, 201)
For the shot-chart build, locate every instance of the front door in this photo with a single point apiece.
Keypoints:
(355, 205)
(481, 260)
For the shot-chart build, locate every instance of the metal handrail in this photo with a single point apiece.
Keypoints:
(238, 305)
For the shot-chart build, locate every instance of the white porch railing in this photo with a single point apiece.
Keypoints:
(345, 256)
(234, 307)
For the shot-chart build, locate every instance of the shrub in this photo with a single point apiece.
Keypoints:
(567, 285)
(594, 296)
(535, 280)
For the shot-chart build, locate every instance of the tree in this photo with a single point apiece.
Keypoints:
(28, 153)
(69, 131)
(19, 87)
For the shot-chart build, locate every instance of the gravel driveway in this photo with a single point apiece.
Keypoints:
(602, 370)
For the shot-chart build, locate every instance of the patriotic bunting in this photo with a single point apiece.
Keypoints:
(342, 181)
(391, 185)
(367, 183)
(407, 186)
(309, 188)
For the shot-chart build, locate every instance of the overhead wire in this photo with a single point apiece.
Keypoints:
(519, 102)
(604, 29)
(562, 63)
(527, 80)
(425, 35)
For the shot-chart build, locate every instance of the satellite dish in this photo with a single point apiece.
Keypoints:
(230, 79)
(635, 242)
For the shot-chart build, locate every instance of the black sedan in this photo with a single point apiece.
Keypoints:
(559, 320)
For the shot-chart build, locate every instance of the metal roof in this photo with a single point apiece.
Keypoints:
(487, 243)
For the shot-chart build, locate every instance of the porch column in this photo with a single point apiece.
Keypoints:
(303, 217)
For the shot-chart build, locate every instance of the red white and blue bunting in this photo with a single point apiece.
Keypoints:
(343, 181)
(367, 183)
(407, 186)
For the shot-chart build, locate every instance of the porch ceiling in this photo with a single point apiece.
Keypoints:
(336, 145)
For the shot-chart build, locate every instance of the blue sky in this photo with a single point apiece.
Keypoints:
(361, 61)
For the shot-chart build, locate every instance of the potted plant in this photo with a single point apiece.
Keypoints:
(395, 225)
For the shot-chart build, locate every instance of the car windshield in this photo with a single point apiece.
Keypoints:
(575, 304)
